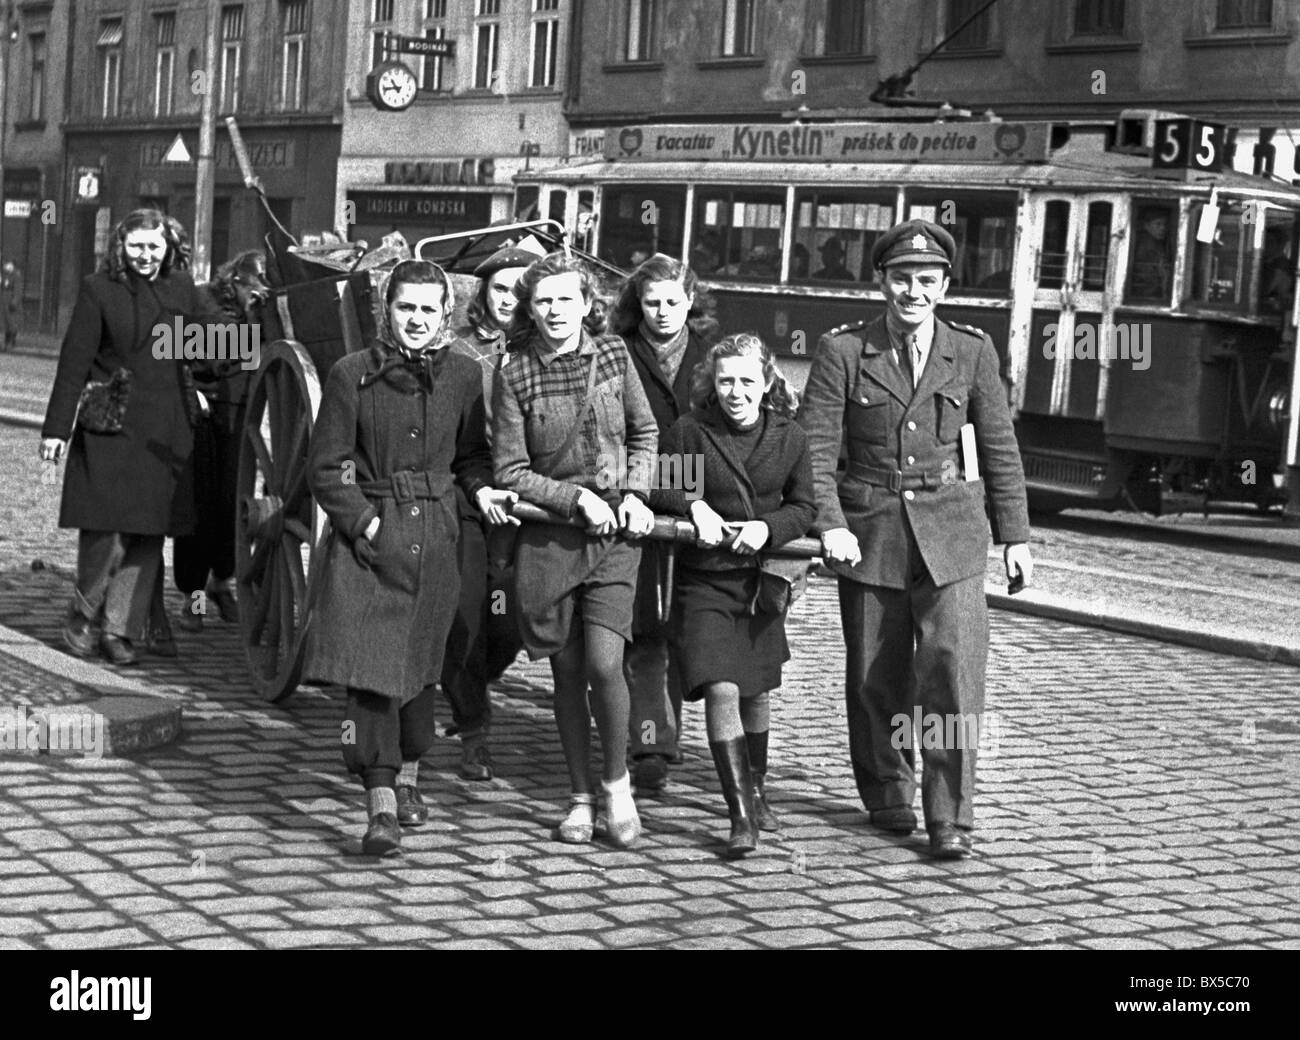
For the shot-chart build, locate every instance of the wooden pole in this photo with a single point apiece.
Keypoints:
(205, 174)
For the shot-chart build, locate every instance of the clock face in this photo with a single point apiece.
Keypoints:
(393, 86)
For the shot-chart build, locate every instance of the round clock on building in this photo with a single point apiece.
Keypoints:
(391, 86)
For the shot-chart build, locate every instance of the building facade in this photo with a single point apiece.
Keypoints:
(446, 162)
(132, 128)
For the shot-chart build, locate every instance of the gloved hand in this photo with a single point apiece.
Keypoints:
(364, 551)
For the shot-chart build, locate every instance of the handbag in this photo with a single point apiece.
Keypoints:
(102, 405)
(781, 579)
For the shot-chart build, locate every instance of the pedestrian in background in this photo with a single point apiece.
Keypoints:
(757, 495)
(205, 560)
(11, 302)
(906, 531)
(666, 321)
(128, 438)
(567, 406)
(400, 426)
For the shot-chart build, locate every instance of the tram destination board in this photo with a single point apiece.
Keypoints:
(842, 142)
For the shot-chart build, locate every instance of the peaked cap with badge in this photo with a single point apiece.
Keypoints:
(914, 242)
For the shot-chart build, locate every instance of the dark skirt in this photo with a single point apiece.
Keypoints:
(564, 576)
(719, 640)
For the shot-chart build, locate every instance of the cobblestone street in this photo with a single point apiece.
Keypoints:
(1133, 794)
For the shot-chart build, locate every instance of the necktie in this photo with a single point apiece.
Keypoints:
(908, 357)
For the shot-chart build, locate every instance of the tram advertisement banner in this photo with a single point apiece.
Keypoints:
(840, 142)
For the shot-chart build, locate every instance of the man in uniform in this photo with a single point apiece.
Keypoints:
(905, 530)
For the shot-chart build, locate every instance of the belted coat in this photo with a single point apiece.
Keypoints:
(392, 446)
(904, 460)
(135, 481)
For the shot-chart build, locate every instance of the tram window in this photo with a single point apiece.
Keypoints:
(737, 233)
(639, 220)
(984, 227)
(1277, 265)
(1151, 262)
(1054, 252)
(526, 202)
(1096, 246)
(1219, 276)
(834, 233)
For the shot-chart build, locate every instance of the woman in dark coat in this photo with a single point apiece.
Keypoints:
(757, 494)
(572, 432)
(400, 427)
(124, 491)
(666, 321)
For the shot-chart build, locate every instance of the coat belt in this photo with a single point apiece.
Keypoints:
(894, 480)
(408, 485)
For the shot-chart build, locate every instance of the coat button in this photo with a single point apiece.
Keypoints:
(415, 510)
(909, 495)
(911, 459)
(911, 425)
(415, 431)
(416, 549)
(865, 401)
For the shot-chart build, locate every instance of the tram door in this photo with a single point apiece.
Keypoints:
(1081, 242)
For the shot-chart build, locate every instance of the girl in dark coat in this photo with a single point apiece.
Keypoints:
(121, 489)
(572, 432)
(666, 321)
(400, 426)
(757, 494)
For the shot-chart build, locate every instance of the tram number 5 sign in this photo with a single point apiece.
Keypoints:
(1189, 144)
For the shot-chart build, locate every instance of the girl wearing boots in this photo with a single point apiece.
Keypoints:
(757, 494)
(400, 426)
(567, 409)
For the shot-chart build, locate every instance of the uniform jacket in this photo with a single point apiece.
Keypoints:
(126, 482)
(383, 628)
(612, 455)
(857, 393)
(777, 477)
(669, 402)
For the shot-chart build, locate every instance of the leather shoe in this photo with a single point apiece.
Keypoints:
(411, 810)
(223, 595)
(118, 650)
(383, 836)
(161, 642)
(475, 758)
(650, 772)
(948, 841)
(898, 819)
(187, 620)
(80, 635)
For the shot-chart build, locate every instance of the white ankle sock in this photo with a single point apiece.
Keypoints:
(409, 774)
(619, 803)
(381, 800)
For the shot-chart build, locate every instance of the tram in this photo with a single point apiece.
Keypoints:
(1142, 293)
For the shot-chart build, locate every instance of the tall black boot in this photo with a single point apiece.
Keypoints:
(731, 757)
(757, 742)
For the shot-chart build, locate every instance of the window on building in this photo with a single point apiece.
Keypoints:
(738, 27)
(382, 18)
(1099, 17)
(975, 36)
(232, 56)
(109, 48)
(435, 72)
(546, 43)
(834, 232)
(983, 224)
(36, 88)
(487, 44)
(641, 42)
(737, 233)
(293, 54)
(164, 74)
(1151, 254)
(642, 218)
(846, 27)
(1244, 14)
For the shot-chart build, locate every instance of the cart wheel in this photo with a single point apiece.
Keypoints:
(280, 531)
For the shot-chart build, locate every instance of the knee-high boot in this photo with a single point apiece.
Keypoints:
(757, 743)
(731, 758)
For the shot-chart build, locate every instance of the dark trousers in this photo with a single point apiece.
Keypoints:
(655, 693)
(115, 580)
(211, 548)
(380, 733)
(920, 646)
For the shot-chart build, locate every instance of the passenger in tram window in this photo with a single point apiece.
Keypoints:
(762, 262)
(666, 321)
(1277, 272)
(832, 268)
(639, 255)
(572, 432)
(755, 493)
(706, 254)
(400, 427)
(1152, 266)
(800, 261)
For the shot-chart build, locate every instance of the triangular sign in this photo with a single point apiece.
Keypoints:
(177, 152)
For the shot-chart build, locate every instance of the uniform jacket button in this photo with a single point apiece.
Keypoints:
(416, 548)
(415, 510)
(415, 431)
(911, 459)
(909, 495)
(911, 425)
